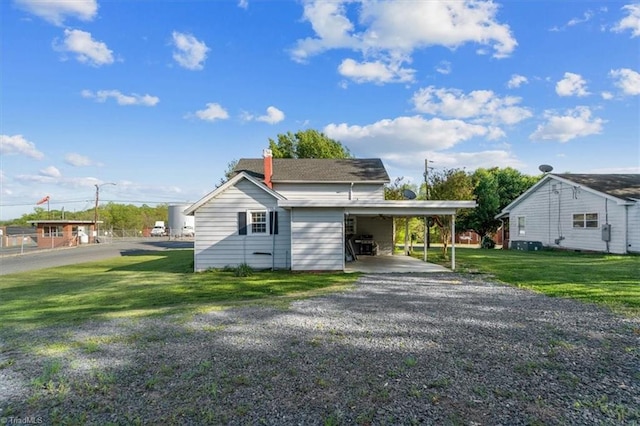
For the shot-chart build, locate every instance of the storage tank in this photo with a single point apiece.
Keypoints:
(179, 223)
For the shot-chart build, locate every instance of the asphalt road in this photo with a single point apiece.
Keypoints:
(11, 263)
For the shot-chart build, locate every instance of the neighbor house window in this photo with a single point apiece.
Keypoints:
(52, 231)
(520, 225)
(258, 222)
(585, 220)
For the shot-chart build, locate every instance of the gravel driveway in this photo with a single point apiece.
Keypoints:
(398, 349)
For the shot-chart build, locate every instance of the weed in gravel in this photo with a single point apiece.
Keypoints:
(439, 383)
(241, 380)
(410, 361)
(481, 391)
(366, 417)
(393, 373)
(322, 382)
(49, 372)
(151, 383)
(502, 393)
(7, 363)
(415, 392)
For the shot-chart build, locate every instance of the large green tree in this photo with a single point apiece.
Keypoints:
(449, 184)
(493, 190)
(307, 144)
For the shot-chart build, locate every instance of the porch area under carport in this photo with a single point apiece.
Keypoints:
(320, 239)
(398, 263)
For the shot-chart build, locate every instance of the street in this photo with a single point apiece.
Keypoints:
(12, 262)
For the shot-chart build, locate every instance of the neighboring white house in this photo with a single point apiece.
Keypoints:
(592, 212)
(302, 214)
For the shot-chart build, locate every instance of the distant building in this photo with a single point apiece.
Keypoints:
(64, 233)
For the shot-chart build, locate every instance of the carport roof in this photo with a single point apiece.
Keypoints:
(384, 207)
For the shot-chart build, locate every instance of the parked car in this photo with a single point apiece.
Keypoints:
(158, 231)
(188, 231)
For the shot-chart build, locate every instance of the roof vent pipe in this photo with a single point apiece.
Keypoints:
(268, 167)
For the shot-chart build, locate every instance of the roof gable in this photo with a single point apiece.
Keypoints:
(231, 182)
(317, 169)
(623, 187)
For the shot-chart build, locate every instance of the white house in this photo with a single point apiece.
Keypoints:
(302, 214)
(592, 212)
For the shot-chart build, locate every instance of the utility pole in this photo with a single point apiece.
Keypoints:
(95, 209)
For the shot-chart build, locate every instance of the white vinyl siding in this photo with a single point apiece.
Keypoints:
(317, 239)
(550, 214)
(381, 228)
(633, 228)
(219, 244)
(330, 191)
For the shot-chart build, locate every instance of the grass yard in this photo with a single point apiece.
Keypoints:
(611, 280)
(141, 285)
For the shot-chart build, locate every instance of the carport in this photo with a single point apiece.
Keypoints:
(384, 210)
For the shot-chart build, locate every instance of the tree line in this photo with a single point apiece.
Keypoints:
(492, 189)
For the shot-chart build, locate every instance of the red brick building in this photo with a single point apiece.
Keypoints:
(64, 233)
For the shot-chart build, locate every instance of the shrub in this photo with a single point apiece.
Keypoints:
(243, 270)
(487, 242)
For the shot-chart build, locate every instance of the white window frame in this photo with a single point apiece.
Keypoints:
(251, 223)
(521, 229)
(582, 222)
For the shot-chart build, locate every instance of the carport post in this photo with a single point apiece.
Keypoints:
(453, 242)
(424, 248)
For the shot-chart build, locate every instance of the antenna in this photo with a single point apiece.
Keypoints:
(545, 168)
(408, 194)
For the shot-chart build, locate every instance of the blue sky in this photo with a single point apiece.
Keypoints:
(158, 97)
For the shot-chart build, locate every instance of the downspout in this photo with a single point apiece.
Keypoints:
(351, 191)
(273, 241)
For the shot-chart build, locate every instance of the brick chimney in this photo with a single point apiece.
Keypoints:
(268, 167)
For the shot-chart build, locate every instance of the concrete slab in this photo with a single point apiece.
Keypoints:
(385, 264)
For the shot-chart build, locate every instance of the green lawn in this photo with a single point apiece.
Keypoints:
(612, 280)
(162, 282)
(142, 285)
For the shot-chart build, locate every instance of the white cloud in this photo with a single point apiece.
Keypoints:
(405, 134)
(585, 18)
(375, 72)
(121, 99)
(481, 105)
(77, 160)
(189, 52)
(273, 116)
(631, 21)
(17, 144)
(572, 85)
(212, 112)
(627, 80)
(607, 96)
(50, 171)
(444, 67)
(243, 4)
(86, 49)
(56, 11)
(391, 31)
(516, 81)
(575, 123)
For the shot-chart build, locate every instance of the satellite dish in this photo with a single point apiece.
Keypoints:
(409, 194)
(545, 168)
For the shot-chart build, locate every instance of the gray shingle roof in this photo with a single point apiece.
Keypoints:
(623, 186)
(317, 169)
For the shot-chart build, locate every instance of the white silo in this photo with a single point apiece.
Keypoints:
(179, 223)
